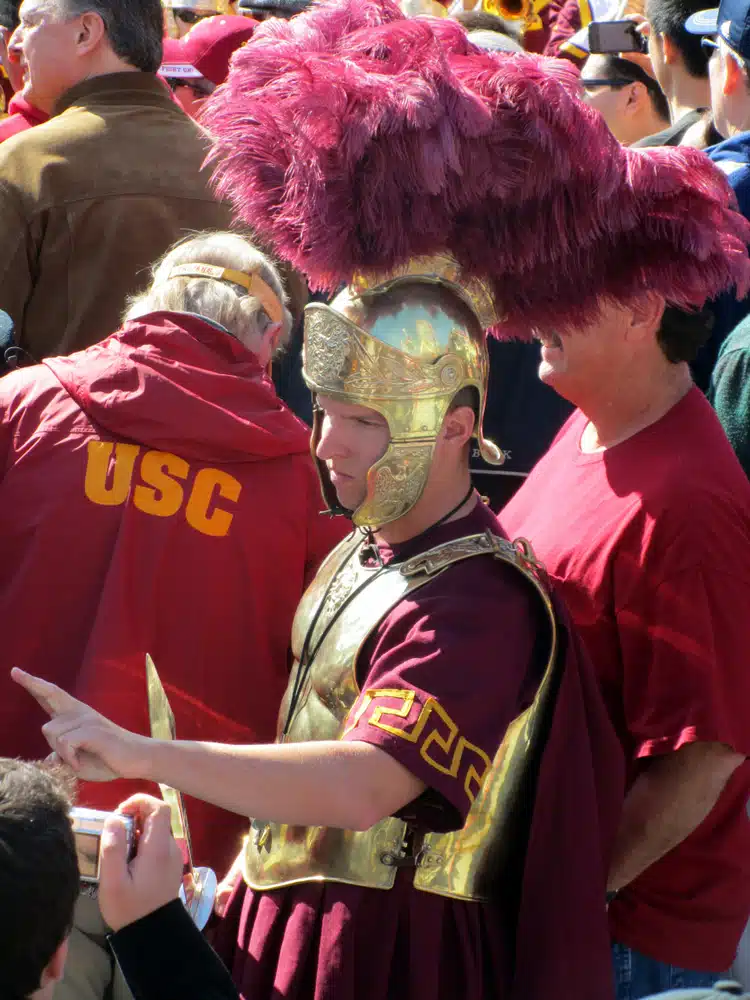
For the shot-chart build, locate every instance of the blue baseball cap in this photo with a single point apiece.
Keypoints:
(730, 21)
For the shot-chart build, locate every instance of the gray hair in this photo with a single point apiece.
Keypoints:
(135, 28)
(221, 301)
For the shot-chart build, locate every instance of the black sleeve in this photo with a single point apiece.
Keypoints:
(164, 956)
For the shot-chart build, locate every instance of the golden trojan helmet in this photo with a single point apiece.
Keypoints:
(403, 344)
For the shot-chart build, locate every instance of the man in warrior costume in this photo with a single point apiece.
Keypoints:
(436, 817)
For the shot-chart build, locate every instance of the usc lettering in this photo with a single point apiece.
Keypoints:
(160, 491)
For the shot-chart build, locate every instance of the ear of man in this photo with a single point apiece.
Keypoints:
(637, 96)
(646, 315)
(735, 78)
(670, 51)
(91, 33)
(55, 967)
(458, 425)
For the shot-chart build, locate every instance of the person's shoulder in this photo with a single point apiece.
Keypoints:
(736, 345)
(472, 592)
(26, 379)
(684, 474)
(699, 513)
(732, 157)
(24, 156)
(26, 389)
(663, 138)
(461, 611)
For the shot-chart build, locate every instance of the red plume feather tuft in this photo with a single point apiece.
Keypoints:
(352, 138)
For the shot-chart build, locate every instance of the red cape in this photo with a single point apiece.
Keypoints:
(562, 937)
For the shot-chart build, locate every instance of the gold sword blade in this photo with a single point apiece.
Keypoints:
(161, 718)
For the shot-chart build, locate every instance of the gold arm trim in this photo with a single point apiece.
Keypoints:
(452, 744)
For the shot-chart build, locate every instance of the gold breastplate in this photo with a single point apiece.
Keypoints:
(343, 605)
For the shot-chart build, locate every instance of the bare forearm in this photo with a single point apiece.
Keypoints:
(328, 783)
(667, 802)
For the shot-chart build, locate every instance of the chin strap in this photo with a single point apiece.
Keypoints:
(370, 548)
(336, 509)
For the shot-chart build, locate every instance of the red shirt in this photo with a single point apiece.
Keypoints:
(465, 641)
(649, 543)
(155, 496)
(21, 115)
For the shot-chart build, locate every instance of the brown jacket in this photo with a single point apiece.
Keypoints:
(89, 200)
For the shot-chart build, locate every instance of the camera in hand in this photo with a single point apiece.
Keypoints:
(616, 36)
(88, 825)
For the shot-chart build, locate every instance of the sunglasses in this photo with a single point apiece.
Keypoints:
(615, 81)
(199, 88)
(188, 16)
(266, 13)
(709, 45)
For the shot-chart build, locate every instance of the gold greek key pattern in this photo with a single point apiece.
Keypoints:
(437, 735)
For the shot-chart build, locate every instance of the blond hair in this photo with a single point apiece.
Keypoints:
(230, 305)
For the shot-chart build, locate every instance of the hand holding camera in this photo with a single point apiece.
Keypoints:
(132, 887)
(616, 37)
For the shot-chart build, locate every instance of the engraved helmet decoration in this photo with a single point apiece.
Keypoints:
(404, 345)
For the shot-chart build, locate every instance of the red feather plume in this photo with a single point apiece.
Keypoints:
(352, 138)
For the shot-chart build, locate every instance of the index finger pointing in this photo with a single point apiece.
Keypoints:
(53, 699)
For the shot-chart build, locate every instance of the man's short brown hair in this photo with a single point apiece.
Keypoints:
(682, 334)
(39, 881)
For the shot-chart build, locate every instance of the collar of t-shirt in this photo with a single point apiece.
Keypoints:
(477, 521)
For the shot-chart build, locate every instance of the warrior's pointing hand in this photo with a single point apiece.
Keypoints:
(95, 748)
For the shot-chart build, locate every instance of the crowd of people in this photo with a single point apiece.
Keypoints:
(379, 369)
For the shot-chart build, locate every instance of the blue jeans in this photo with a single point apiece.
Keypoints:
(638, 976)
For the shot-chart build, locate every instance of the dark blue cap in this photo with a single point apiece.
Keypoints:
(289, 6)
(730, 21)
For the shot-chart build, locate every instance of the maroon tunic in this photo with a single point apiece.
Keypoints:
(467, 641)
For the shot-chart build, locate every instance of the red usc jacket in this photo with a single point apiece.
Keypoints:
(155, 496)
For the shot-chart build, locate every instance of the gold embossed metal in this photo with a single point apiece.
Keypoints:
(161, 719)
(462, 864)
(404, 345)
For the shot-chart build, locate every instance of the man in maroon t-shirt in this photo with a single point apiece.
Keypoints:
(641, 514)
